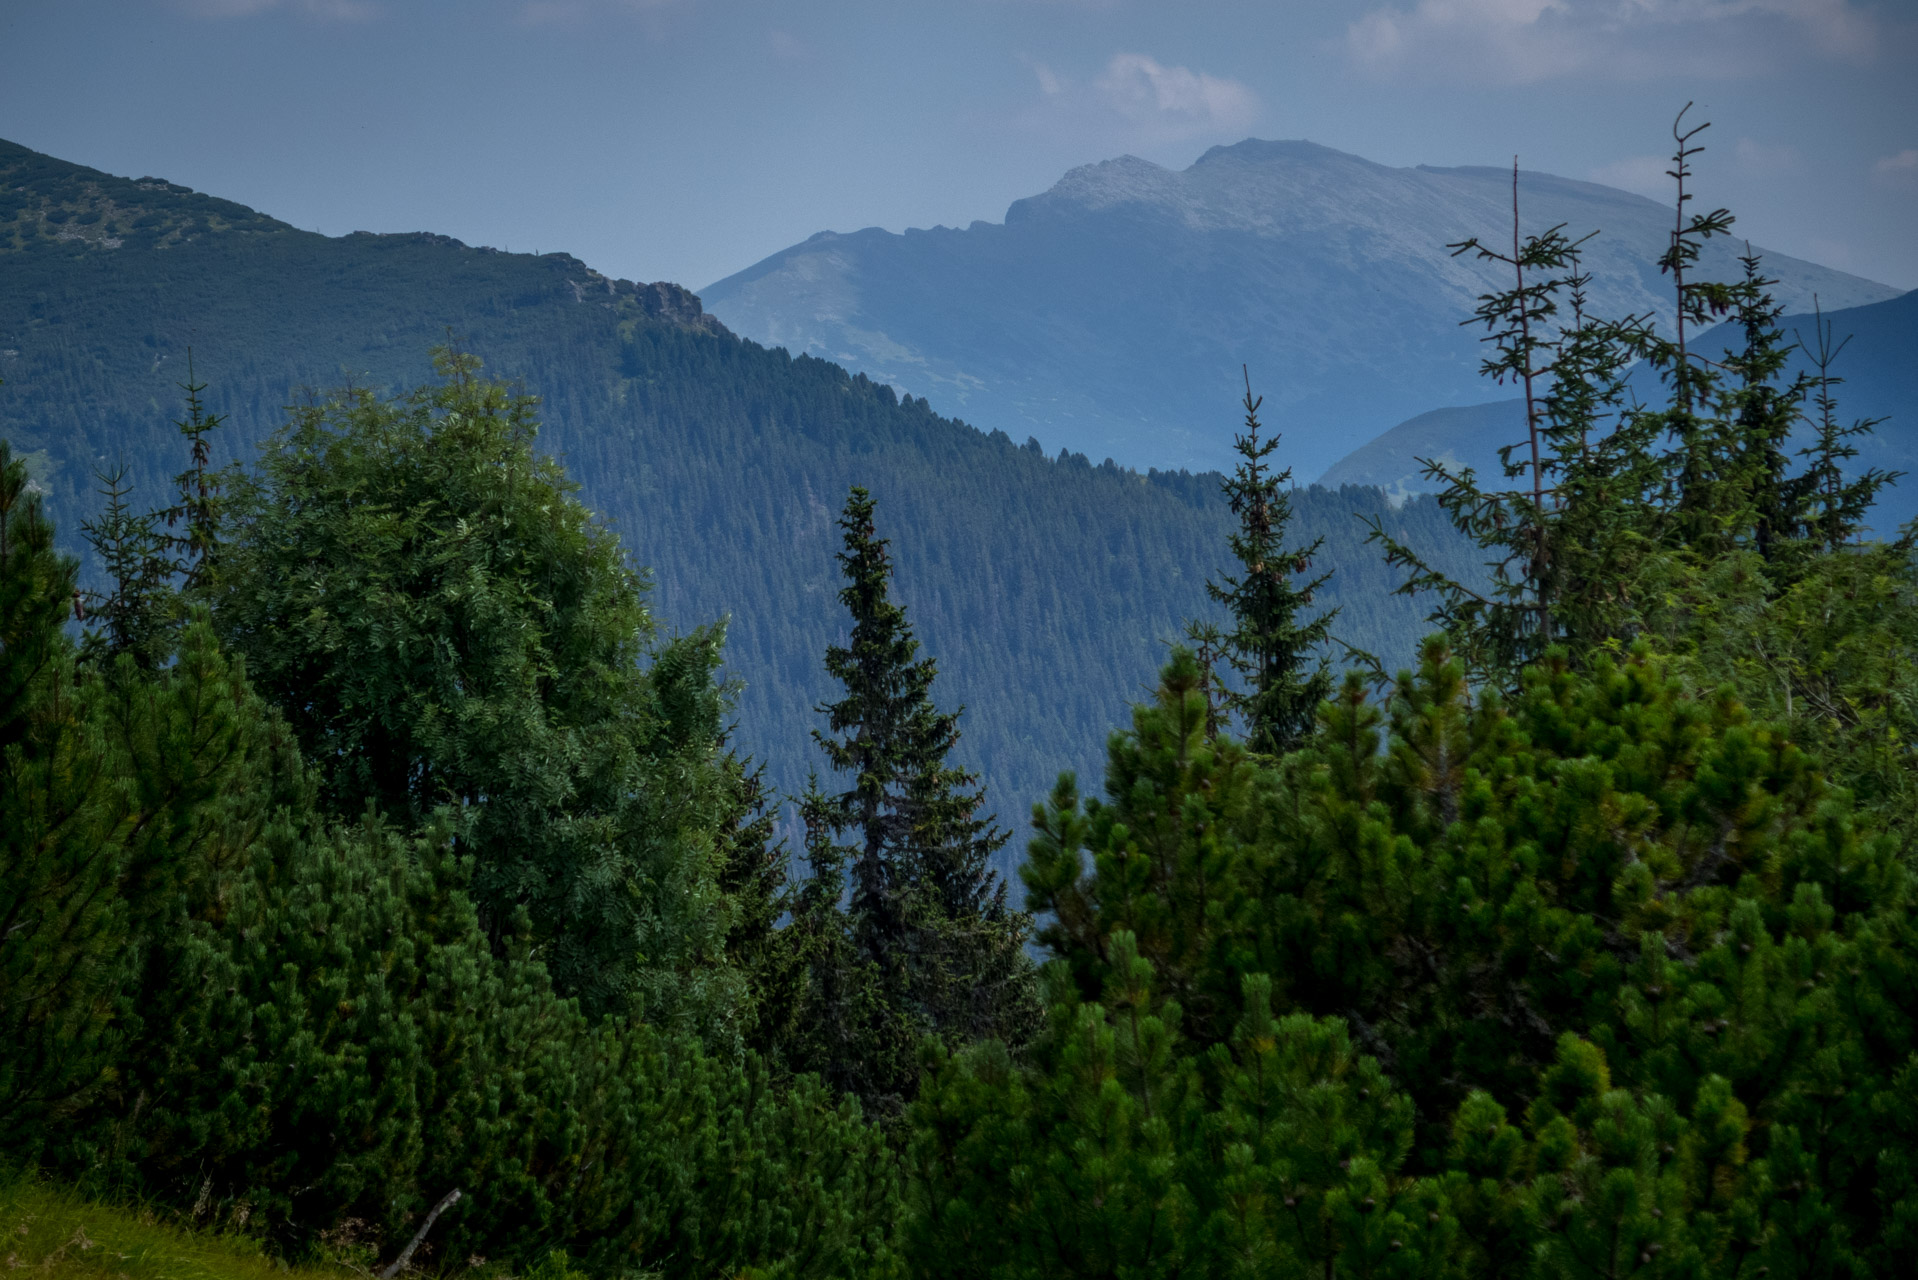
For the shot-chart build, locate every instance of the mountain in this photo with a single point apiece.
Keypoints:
(1111, 314)
(1878, 366)
(1044, 586)
(1463, 436)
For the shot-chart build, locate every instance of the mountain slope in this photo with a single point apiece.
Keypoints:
(1044, 586)
(1878, 366)
(1111, 314)
(1463, 436)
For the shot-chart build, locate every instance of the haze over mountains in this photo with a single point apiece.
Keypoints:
(1111, 314)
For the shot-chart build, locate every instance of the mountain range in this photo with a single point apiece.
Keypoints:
(1045, 586)
(1875, 376)
(1112, 315)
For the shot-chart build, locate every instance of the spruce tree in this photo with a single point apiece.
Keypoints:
(1833, 504)
(135, 615)
(201, 501)
(930, 944)
(1268, 646)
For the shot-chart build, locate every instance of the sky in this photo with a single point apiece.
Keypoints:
(687, 139)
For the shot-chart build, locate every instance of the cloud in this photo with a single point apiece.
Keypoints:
(546, 13)
(326, 10)
(1139, 101)
(1049, 82)
(1524, 41)
(1186, 102)
(1641, 175)
(1899, 172)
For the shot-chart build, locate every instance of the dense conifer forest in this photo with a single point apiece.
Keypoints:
(385, 878)
(722, 464)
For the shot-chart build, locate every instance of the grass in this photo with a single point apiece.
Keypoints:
(53, 1232)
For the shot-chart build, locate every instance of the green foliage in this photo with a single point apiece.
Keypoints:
(445, 625)
(721, 463)
(1164, 847)
(1824, 646)
(223, 1002)
(60, 929)
(1119, 1150)
(350, 1049)
(1586, 950)
(129, 797)
(137, 613)
(1268, 646)
(925, 943)
(1620, 491)
(1637, 916)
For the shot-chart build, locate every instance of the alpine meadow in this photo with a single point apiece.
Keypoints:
(502, 778)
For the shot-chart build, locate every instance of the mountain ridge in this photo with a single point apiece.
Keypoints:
(1876, 375)
(720, 463)
(1110, 313)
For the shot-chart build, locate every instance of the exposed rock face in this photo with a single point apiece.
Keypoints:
(1111, 314)
(676, 304)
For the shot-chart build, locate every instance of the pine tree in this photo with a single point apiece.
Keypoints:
(137, 614)
(1509, 621)
(1269, 646)
(1834, 504)
(929, 936)
(62, 934)
(1621, 501)
(200, 503)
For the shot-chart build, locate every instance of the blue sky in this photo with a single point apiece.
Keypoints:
(686, 139)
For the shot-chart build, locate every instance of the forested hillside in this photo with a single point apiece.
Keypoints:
(380, 882)
(1044, 586)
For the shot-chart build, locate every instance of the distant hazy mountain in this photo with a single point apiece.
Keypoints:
(1462, 436)
(1878, 366)
(1111, 314)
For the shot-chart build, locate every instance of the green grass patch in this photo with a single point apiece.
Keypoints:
(52, 1231)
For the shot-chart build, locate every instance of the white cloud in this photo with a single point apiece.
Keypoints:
(541, 13)
(328, 10)
(1641, 175)
(1138, 102)
(1899, 172)
(1524, 41)
(1174, 100)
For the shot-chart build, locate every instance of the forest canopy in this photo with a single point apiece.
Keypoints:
(369, 838)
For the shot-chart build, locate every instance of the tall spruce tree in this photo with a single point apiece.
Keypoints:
(1268, 646)
(1834, 498)
(925, 943)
